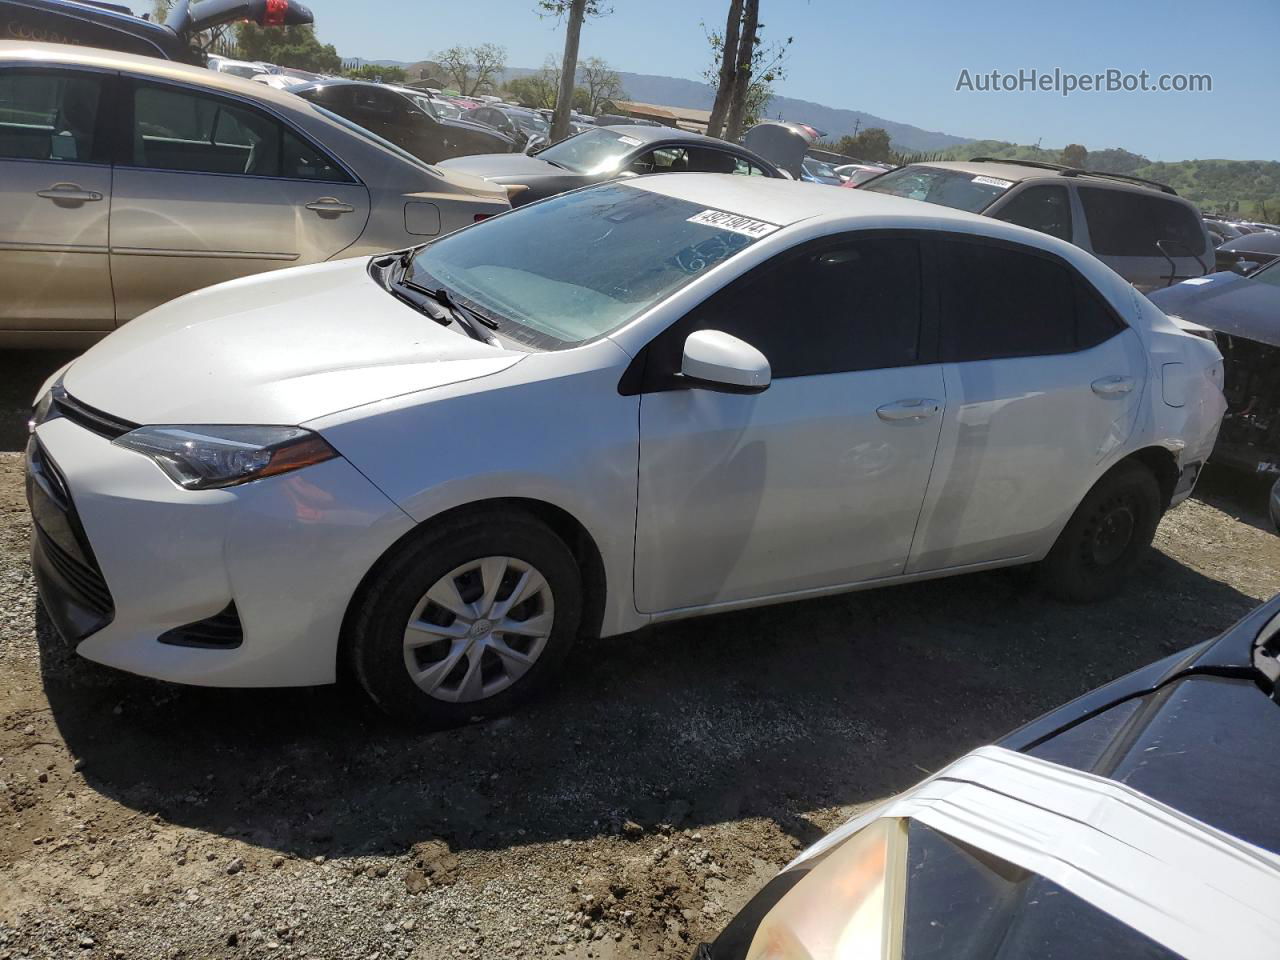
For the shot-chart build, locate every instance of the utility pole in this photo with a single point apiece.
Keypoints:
(568, 71)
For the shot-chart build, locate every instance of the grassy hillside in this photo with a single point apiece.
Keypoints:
(1250, 188)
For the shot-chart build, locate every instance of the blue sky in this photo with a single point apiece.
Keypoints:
(902, 60)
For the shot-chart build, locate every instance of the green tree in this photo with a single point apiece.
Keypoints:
(473, 69)
(870, 144)
(1075, 155)
(751, 72)
(287, 46)
(371, 71)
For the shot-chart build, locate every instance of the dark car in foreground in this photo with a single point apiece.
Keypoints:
(1243, 311)
(607, 152)
(405, 119)
(1141, 820)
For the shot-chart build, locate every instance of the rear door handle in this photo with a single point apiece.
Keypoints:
(69, 192)
(1112, 386)
(330, 205)
(917, 408)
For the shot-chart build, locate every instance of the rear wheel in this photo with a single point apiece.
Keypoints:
(1107, 537)
(466, 620)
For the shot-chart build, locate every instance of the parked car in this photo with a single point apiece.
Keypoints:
(128, 181)
(646, 400)
(608, 152)
(1135, 821)
(1142, 230)
(112, 27)
(853, 174)
(1248, 252)
(1221, 230)
(1244, 314)
(406, 119)
(518, 123)
(237, 68)
(816, 171)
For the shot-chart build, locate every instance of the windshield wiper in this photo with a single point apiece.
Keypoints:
(465, 316)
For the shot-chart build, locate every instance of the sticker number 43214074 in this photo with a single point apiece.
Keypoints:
(734, 222)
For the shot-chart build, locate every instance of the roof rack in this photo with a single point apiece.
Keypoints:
(1079, 172)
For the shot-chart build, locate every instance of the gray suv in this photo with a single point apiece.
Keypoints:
(1141, 229)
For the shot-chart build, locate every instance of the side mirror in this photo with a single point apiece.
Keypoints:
(534, 144)
(719, 361)
(1243, 267)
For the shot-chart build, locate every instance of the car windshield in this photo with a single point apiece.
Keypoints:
(1270, 274)
(618, 250)
(950, 188)
(531, 123)
(595, 151)
(817, 168)
(425, 104)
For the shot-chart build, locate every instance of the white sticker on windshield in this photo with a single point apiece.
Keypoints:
(994, 182)
(735, 223)
(1196, 281)
(630, 141)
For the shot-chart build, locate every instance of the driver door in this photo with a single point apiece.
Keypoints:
(819, 480)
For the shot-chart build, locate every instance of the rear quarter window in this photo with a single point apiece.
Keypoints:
(1125, 223)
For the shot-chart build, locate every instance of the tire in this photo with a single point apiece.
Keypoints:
(1107, 537)
(477, 670)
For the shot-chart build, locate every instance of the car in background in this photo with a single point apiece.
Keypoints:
(1141, 229)
(1248, 252)
(1221, 230)
(853, 174)
(110, 26)
(1135, 821)
(727, 391)
(819, 171)
(404, 117)
(1244, 314)
(603, 153)
(128, 181)
(237, 68)
(518, 123)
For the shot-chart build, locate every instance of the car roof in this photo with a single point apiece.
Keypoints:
(1018, 172)
(649, 134)
(70, 55)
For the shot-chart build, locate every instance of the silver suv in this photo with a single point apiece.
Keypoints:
(1139, 228)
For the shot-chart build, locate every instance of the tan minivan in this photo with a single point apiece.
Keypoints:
(126, 181)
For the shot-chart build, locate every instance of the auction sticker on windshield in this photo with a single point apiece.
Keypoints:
(994, 182)
(630, 141)
(735, 223)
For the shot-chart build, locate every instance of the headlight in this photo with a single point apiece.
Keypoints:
(40, 412)
(204, 458)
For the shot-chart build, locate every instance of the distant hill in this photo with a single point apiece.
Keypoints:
(1248, 187)
(834, 122)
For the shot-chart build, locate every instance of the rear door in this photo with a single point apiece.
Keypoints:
(209, 187)
(55, 198)
(1043, 383)
(1147, 237)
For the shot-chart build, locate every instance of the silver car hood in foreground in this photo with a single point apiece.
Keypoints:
(278, 348)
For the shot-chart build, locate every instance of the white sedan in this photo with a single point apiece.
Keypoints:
(646, 400)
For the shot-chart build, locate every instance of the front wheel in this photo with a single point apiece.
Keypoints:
(1107, 537)
(466, 620)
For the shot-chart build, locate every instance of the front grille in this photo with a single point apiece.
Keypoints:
(222, 631)
(91, 418)
(85, 579)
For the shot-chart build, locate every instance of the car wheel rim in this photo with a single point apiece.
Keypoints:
(1111, 531)
(479, 629)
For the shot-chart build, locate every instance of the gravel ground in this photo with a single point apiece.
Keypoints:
(626, 815)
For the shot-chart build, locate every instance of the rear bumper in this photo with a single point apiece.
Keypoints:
(288, 552)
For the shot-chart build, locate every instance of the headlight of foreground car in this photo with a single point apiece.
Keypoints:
(209, 457)
(40, 412)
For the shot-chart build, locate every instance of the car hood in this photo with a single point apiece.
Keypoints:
(1226, 302)
(278, 348)
(504, 166)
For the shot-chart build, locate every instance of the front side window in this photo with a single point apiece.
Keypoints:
(1129, 223)
(997, 302)
(662, 160)
(834, 307)
(618, 251)
(48, 116)
(1046, 208)
(950, 188)
(181, 130)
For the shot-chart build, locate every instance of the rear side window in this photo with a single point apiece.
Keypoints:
(175, 129)
(998, 301)
(839, 307)
(1125, 223)
(1046, 208)
(46, 115)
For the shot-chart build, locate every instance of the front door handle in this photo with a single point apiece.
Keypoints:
(331, 206)
(917, 408)
(1112, 386)
(69, 193)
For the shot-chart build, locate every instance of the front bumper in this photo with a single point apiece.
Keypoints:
(288, 552)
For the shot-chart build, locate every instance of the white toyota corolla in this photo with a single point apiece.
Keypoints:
(645, 400)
